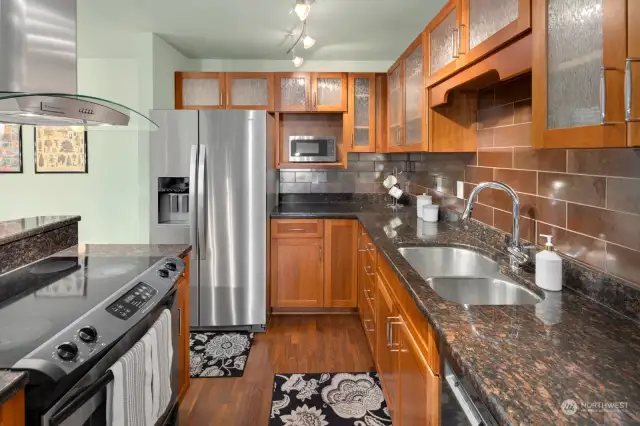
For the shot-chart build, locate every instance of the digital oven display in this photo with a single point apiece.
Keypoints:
(132, 301)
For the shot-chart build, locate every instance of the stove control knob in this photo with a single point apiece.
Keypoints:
(170, 266)
(88, 334)
(67, 351)
(163, 273)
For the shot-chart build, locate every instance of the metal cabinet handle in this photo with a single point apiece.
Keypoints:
(353, 137)
(314, 99)
(368, 270)
(296, 229)
(179, 322)
(628, 90)
(603, 94)
(390, 325)
(220, 99)
(320, 247)
(460, 38)
(455, 34)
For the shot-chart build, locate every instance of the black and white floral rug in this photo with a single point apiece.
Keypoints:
(328, 399)
(218, 354)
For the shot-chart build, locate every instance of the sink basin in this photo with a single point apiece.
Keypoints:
(466, 277)
(482, 291)
(448, 262)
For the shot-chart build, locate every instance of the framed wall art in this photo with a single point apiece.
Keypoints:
(61, 150)
(10, 148)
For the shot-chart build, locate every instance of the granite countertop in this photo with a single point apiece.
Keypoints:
(17, 229)
(120, 250)
(10, 383)
(524, 361)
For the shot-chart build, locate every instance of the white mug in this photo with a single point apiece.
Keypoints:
(396, 192)
(390, 181)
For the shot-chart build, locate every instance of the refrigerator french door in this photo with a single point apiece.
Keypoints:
(223, 162)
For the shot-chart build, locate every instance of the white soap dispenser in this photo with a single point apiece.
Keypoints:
(549, 267)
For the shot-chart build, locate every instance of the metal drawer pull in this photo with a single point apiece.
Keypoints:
(353, 137)
(365, 325)
(603, 94)
(628, 91)
(296, 229)
(460, 38)
(455, 34)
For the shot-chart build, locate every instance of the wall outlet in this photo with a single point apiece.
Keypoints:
(460, 189)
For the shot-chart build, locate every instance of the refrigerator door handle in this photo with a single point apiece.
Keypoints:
(193, 200)
(202, 162)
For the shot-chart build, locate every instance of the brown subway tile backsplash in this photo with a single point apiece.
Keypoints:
(497, 116)
(522, 111)
(485, 138)
(609, 225)
(606, 162)
(623, 262)
(554, 160)
(504, 221)
(577, 188)
(483, 213)
(495, 157)
(478, 174)
(519, 180)
(513, 90)
(517, 135)
(623, 194)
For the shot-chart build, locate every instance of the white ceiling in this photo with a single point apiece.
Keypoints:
(360, 30)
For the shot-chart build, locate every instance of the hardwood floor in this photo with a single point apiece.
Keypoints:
(292, 344)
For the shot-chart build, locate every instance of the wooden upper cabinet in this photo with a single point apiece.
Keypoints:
(297, 273)
(419, 387)
(293, 91)
(200, 90)
(442, 36)
(487, 25)
(329, 91)
(395, 110)
(341, 263)
(579, 54)
(360, 120)
(415, 118)
(632, 70)
(249, 90)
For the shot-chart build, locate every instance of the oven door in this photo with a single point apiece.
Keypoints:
(312, 149)
(86, 403)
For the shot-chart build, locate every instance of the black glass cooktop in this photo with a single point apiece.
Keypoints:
(61, 289)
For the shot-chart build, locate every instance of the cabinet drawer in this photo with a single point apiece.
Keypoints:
(297, 228)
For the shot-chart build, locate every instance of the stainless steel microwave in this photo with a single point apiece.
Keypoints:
(312, 149)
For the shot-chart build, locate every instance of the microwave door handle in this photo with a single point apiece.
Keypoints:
(202, 193)
(80, 399)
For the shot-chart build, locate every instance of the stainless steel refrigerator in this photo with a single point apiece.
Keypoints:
(213, 185)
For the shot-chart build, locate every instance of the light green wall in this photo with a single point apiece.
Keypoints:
(238, 65)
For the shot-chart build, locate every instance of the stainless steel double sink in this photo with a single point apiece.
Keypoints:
(466, 277)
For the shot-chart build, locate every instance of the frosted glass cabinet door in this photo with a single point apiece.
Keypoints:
(250, 90)
(413, 97)
(443, 42)
(580, 103)
(199, 90)
(329, 91)
(361, 127)
(292, 91)
(487, 17)
(395, 106)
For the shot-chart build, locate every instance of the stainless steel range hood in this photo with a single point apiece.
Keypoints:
(38, 70)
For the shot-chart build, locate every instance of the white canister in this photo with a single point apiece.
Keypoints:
(430, 212)
(422, 200)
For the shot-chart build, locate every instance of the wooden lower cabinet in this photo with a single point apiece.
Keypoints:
(340, 264)
(419, 387)
(405, 355)
(184, 377)
(314, 272)
(12, 412)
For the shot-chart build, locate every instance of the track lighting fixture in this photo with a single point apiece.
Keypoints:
(297, 61)
(308, 42)
(302, 8)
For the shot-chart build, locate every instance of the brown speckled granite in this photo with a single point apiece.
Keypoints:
(10, 383)
(522, 360)
(18, 229)
(119, 250)
(34, 247)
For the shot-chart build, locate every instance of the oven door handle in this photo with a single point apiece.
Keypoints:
(79, 400)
